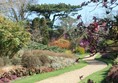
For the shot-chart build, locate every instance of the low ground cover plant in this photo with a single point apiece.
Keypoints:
(34, 45)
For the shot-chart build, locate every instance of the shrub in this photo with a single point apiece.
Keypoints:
(34, 45)
(62, 43)
(106, 55)
(12, 37)
(80, 50)
(112, 76)
(5, 80)
(110, 55)
(1, 62)
(36, 36)
(1, 81)
(116, 61)
(68, 52)
(45, 69)
(50, 53)
(30, 61)
(44, 59)
(6, 61)
(34, 59)
(16, 61)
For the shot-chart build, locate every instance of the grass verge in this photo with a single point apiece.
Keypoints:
(81, 56)
(99, 77)
(38, 77)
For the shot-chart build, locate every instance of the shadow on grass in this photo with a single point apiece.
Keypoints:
(100, 76)
(97, 77)
(95, 62)
(104, 74)
(109, 62)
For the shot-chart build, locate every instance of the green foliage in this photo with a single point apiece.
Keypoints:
(44, 31)
(1, 62)
(4, 61)
(112, 76)
(80, 49)
(36, 23)
(40, 32)
(16, 61)
(33, 59)
(113, 33)
(47, 9)
(34, 45)
(12, 37)
(100, 75)
(30, 61)
(51, 8)
(116, 61)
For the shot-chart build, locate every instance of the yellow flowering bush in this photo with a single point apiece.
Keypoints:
(13, 37)
(68, 52)
(80, 49)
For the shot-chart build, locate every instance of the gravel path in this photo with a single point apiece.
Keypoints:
(74, 76)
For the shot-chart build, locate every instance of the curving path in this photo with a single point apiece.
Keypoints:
(74, 76)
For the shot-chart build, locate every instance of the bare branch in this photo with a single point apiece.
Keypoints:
(96, 7)
(16, 9)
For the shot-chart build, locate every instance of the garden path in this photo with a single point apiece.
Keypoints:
(74, 76)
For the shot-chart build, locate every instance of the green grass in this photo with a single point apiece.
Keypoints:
(38, 77)
(99, 77)
(81, 55)
(109, 42)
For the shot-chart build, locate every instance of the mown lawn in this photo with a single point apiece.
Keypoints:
(38, 77)
(99, 77)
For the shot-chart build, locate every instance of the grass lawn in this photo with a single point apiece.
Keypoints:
(38, 77)
(81, 56)
(99, 76)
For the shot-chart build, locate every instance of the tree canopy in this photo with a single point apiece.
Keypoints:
(57, 10)
(12, 37)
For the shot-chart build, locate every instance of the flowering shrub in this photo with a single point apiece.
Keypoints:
(62, 43)
(13, 37)
(84, 43)
(80, 49)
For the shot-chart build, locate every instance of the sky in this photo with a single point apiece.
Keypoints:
(86, 13)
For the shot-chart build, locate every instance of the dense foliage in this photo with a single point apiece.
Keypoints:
(40, 31)
(62, 43)
(112, 76)
(57, 10)
(34, 45)
(12, 37)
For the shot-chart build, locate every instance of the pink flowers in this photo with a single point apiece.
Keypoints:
(84, 43)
